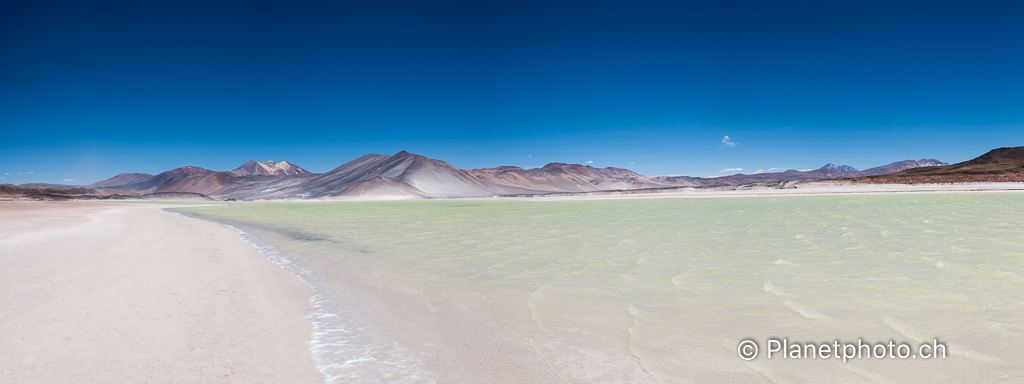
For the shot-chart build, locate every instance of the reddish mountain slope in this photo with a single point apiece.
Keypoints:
(121, 179)
(160, 181)
(209, 184)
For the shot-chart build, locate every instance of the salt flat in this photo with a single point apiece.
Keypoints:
(94, 292)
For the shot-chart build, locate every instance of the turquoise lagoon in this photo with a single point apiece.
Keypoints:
(658, 290)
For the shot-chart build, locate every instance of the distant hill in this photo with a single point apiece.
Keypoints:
(561, 177)
(900, 166)
(154, 183)
(268, 168)
(205, 183)
(1007, 161)
(839, 168)
(121, 179)
(405, 175)
(828, 172)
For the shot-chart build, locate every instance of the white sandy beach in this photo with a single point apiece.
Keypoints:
(95, 292)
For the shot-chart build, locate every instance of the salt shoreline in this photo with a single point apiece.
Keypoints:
(337, 347)
(126, 293)
(816, 188)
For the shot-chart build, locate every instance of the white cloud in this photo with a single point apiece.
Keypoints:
(631, 162)
(70, 179)
(7, 173)
(529, 156)
(31, 173)
(589, 162)
(808, 169)
(731, 170)
(770, 170)
(726, 141)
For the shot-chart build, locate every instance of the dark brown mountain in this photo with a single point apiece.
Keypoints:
(1002, 161)
(9, 190)
(268, 168)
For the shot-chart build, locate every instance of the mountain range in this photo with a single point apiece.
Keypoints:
(998, 165)
(405, 175)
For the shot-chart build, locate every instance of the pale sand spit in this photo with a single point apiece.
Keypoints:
(126, 293)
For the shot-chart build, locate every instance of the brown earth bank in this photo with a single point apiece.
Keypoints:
(21, 192)
(10, 189)
(942, 179)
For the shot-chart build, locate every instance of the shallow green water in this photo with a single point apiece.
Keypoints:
(663, 290)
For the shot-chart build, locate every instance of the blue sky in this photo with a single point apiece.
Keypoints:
(92, 89)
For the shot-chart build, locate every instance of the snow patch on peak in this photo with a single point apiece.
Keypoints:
(268, 168)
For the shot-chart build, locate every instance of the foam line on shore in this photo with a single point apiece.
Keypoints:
(346, 348)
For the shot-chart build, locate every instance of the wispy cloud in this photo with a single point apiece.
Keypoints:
(70, 179)
(3, 178)
(808, 169)
(770, 170)
(31, 173)
(726, 141)
(731, 170)
(589, 162)
(7, 173)
(631, 162)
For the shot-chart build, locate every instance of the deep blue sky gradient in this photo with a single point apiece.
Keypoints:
(90, 89)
